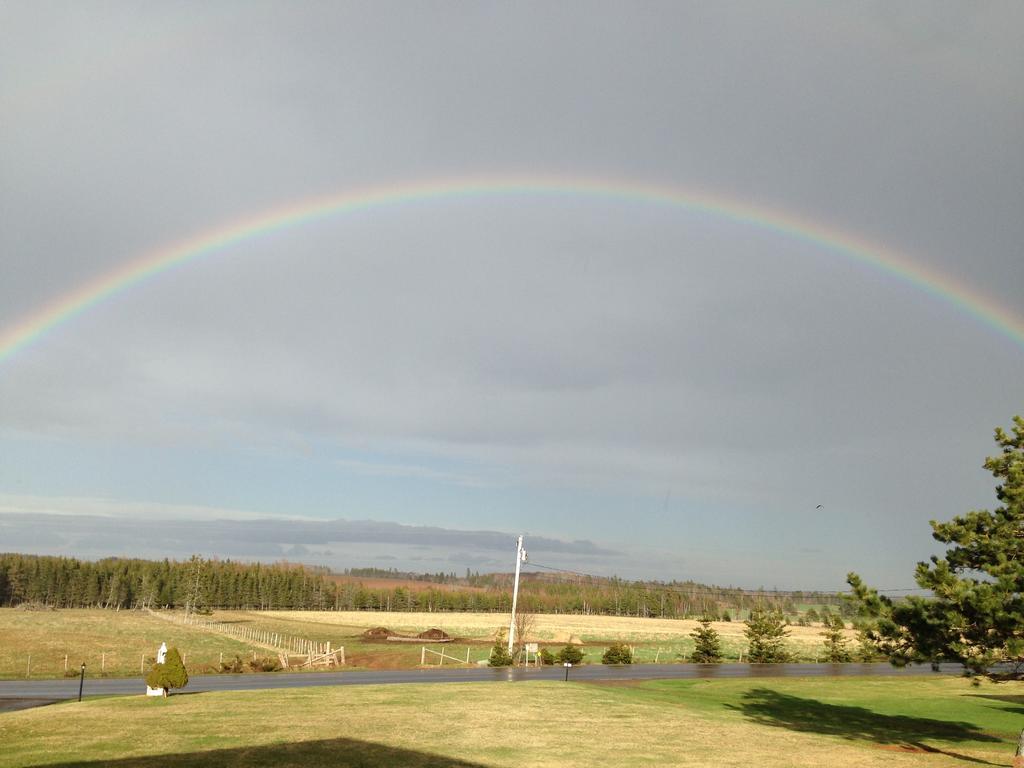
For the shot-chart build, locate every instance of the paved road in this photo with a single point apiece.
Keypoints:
(68, 688)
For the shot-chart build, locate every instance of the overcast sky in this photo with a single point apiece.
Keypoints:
(641, 389)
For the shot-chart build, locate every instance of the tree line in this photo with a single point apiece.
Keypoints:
(199, 584)
(65, 582)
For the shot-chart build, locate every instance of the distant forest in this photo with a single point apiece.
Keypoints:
(201, 584)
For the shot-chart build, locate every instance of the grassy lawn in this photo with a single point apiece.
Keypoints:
(115, 641)
(792, 722)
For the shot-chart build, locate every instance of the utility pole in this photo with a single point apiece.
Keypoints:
(520, 558)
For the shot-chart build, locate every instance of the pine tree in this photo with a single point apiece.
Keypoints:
(837, 649)
(500, 657)
(707, 645)
(766, 631)
(867, 648)
(977, 610)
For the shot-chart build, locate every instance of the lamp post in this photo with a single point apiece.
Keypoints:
(81, 682)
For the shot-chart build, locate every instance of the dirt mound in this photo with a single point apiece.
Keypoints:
(377, 633)
(434, 634)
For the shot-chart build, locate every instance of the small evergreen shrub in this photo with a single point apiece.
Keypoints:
(171, 674)
(546, 657)
(500, 657)
(837, 650)
(570, 654)
(707, 645)
(618, 653)
(766, 631)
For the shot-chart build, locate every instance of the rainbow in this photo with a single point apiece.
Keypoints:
(886, 260)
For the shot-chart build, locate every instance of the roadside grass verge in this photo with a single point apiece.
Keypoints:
(765, 722)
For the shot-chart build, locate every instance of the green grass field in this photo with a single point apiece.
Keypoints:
(792, 722)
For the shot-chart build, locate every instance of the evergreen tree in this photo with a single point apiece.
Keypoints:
(570, 654)
(707, 645)
(766, 632)
(500, 657)
(837, 649)
(867, 648)
(977, 611)
(619, 653)
(170, 674)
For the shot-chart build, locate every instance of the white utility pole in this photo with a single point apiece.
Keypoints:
(520, 558)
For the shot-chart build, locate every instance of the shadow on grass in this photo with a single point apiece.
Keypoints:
(1008, 698)
(328, 753)
(900, 732)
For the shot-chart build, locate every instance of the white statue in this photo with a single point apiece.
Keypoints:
(161, 656)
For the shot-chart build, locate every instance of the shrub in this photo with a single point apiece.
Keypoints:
(546, 657)
(500, 657)
(570, 654)
(618, 653)
(266, 664)
(766, 631)
(837, 649)
(707, 645)
(867, 646)
(232, 666)
(170, 674)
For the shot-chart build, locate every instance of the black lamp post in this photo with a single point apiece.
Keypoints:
(81, 682)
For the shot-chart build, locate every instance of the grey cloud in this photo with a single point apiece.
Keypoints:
(259, 537)
(578, 355)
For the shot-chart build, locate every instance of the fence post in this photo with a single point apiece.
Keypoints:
(423, 655)
(103, 662)
(65, 664)
(28, 670)
(342, 649)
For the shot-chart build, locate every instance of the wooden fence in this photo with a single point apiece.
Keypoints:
(285, 645)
